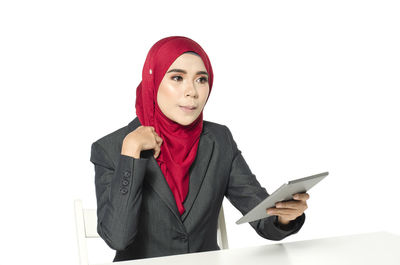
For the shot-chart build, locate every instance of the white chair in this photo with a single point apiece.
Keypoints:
(86, 227)
(222, 236)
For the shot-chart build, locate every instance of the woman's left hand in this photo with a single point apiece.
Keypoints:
(290, 210)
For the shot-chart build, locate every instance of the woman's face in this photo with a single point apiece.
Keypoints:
(184, 89)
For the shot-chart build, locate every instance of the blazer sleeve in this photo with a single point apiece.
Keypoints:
(119, 196)
(245, 192)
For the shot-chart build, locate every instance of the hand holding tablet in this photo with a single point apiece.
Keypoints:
(283, 196)
(289, 210)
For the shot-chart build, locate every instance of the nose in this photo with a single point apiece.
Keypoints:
(191, 90)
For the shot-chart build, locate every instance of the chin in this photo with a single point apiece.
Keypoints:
(185, 123)
(184, 120)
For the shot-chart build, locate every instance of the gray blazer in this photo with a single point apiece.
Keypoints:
(137, 213)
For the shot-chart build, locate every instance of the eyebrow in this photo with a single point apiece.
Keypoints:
(183, 71)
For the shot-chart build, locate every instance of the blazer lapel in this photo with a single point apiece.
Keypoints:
(198, 171)
(155, 178)
(157, 181)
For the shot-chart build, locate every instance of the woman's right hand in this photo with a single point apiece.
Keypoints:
(142, 138)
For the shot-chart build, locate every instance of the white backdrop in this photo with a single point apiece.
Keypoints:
(304, 86)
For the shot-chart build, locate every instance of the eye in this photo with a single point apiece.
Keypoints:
(176, 78)
(203, 80)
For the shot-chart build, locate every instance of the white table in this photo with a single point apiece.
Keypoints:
(379, 248)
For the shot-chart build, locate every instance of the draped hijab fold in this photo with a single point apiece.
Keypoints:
(180, 143)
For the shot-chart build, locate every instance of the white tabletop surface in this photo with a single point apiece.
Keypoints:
(379, 248)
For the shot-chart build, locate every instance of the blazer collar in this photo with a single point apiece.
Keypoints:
(155, 178)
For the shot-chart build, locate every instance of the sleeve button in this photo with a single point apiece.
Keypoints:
(125, 182)
(127, 173)
(123, 190)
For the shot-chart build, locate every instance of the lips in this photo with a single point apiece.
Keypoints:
(189, 107)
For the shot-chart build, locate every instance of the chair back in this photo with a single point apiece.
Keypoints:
(86, 227)
(222, 236)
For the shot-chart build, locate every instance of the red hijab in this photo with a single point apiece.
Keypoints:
(180, 143)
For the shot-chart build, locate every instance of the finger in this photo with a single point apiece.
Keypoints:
(159, 140)
(282, 212)
(301, 196)
(291, 205)
(275, 211)
(156, 151)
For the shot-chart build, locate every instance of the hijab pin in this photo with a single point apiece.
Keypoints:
(150, 71)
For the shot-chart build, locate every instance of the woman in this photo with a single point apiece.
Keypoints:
(161, 179)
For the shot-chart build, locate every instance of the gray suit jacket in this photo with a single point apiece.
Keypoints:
(137, 213)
